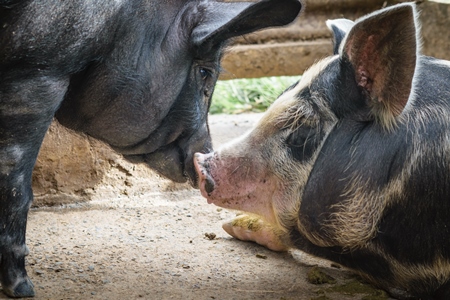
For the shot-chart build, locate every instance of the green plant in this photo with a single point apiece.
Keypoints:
(248, 95)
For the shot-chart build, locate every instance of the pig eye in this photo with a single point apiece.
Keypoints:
(302, 143)
(204, 73)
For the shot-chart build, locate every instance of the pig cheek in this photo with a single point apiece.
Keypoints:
(239, 192)
(233, 178)
(232, 195)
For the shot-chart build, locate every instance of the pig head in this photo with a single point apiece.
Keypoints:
(137, 75)
(352, 163)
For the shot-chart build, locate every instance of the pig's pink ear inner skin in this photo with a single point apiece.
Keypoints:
(383, 49)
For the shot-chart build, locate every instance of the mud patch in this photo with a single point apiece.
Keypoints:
(250, 222)
(357, 287)
(318, 276)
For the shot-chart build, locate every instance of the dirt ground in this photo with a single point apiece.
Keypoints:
(159, 240)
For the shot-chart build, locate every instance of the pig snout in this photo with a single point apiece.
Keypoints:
(202, 164)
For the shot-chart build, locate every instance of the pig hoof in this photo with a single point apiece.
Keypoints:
(21, 290)
(253, 228)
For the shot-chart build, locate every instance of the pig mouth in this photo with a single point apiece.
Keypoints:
(173, 160)
(169, 161)
(172, 156)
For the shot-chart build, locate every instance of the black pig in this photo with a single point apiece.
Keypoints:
(352, 163)
(136, 74)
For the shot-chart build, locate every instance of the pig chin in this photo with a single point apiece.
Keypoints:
(168, 163)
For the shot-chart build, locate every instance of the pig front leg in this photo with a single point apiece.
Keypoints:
(26, 111)
(249, 227)
(13, 277)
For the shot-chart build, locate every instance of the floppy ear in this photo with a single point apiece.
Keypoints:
(339, 27)
(223, 20)
(382, 48)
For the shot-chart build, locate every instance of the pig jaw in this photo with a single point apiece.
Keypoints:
(219, 184)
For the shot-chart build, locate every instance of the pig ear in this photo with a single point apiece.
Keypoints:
(340, 28)
(223, 20)
(382, 48)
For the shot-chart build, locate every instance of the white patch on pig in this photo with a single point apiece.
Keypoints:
(420, 150)
(21, 250)
(10, 157)
(280, 112)
(19, 180)
(355, 220)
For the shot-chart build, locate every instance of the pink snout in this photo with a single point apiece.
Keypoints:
(202, 163)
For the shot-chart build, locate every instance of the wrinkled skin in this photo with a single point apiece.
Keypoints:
(352, 163)
(136, 74)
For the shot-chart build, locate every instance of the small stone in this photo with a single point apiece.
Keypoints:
(333, 265)
(39, 272)
(210, 235)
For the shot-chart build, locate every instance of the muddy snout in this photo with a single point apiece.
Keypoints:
(202, 163)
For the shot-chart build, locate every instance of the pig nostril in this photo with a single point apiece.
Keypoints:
(209, 185)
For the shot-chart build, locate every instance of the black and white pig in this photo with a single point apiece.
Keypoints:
(136, 74)
(352, 163)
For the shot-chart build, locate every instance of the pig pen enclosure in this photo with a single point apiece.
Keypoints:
(102, 228)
